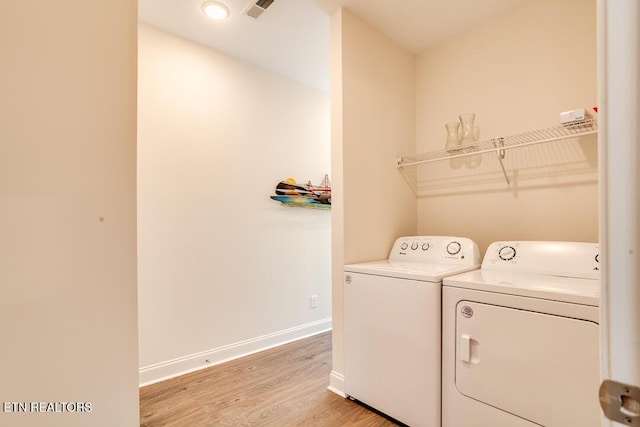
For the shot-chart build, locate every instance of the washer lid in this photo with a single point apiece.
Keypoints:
(408, 270)
(554, 288)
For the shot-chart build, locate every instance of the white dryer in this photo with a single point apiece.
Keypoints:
(392, 321)
(521, 338)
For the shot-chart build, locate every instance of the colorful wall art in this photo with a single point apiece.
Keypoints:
(290, 193)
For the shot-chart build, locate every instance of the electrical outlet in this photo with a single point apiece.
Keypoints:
(313, 301)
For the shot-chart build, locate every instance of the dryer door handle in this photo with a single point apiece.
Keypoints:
(469, 349)
(465, 348)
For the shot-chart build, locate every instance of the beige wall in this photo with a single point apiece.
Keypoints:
(336, 381)
(378, 108)
(517, 72)
(68, 220)
(223, 269)
(372, 94)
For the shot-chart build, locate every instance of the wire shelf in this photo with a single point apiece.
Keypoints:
(497, 145)
(500, 144)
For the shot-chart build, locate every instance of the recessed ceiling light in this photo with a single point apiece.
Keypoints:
(215, 10)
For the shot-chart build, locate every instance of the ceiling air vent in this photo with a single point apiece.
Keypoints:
(254, 10)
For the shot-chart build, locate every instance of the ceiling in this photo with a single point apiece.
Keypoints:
(291, 37)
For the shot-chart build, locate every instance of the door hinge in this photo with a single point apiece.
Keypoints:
(620, 402)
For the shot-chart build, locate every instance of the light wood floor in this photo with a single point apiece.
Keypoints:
(284, 386)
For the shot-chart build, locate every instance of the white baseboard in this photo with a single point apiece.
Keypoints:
(183, 365)
(336, 383)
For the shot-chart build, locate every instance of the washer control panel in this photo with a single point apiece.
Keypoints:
(454, 248)
(436, 249)
(567, 259)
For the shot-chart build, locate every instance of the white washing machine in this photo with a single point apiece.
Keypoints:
(521, 338)
(392, 326)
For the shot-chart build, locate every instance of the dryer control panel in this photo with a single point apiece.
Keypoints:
(566, 259)
(436, 249)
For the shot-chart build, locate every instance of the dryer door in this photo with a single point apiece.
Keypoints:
(541, 367)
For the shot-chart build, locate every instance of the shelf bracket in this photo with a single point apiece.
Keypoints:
(498, 144)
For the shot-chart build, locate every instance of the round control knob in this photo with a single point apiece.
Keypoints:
(453, 248)
(414, 246)
(404, 246)
(507, 253)
(425, 246)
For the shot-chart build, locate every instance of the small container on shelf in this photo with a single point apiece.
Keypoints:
(453, 137)
(466, 121)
